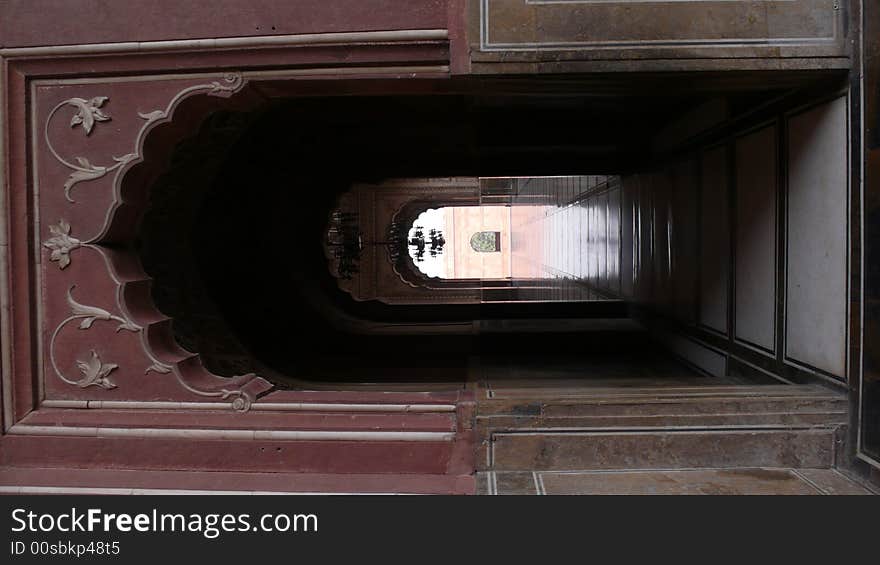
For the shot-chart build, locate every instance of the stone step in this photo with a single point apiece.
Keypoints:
(563, 450)
(661, 428)
(258, 454)
(313, 442)
(542, 390)
(802, 418)
(593, 407)
(262, 421)
(24, 480)
(657, 400)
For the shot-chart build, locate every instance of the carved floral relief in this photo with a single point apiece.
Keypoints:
(87, 114)
(61, 243)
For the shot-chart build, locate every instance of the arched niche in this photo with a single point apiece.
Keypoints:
(103, 330)
(216, 206)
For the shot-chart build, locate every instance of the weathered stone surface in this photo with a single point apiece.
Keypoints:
(548, 33)
(746, 481)
(663, 449)
(733, 481)
(831, 481)
(515, 483)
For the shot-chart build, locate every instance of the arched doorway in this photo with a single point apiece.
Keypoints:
(237, 259)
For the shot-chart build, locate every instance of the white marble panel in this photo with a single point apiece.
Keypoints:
(816, 309)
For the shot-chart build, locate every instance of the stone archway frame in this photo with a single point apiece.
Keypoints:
(406, 269)
(84, 330)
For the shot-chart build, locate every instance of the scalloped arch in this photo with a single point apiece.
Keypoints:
(135, 309)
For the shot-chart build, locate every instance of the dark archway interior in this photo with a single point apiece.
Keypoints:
(232, 238)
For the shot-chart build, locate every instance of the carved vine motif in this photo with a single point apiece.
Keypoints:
(88, 113)
(95, 372)
(61, 243)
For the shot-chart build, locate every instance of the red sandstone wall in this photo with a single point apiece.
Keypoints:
(27, 23)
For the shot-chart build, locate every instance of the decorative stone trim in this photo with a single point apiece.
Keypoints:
(227, 434)
(261, 41)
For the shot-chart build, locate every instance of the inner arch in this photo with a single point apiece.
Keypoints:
(233, 242)
(462, 242)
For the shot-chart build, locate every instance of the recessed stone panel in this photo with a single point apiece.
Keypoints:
(755, 282)
(679, 27)
(714, 240)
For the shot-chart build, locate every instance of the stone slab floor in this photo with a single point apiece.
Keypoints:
(678, 481)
